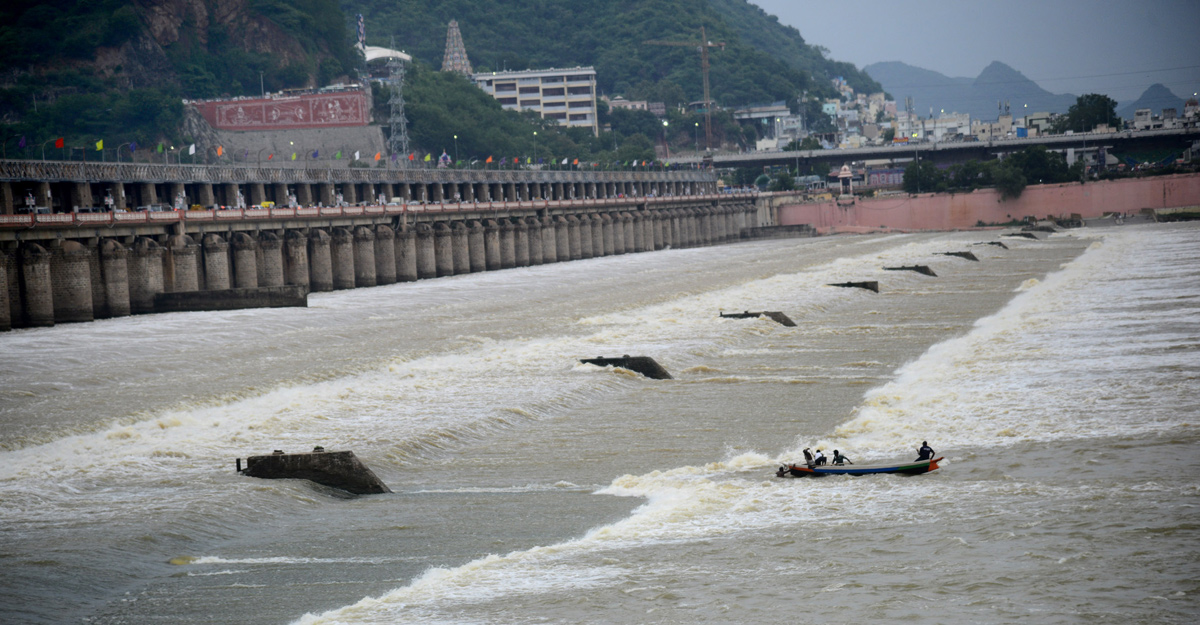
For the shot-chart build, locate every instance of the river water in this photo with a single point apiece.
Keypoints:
(1058, 377)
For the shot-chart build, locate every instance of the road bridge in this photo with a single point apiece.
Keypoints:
(956, 152)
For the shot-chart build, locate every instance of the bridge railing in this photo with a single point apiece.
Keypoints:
(59, 220)
(48, 171)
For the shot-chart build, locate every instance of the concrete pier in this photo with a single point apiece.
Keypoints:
(320, 266)
(364, 257)
(216, 264)
(245, 260)
(461, 246)
(145, 265)
(476, 242)
(406, 256)
(36, 285)
(444, 245)
(114, 278)
(295, 259)
(268, 257)
(508, 244)
(71, 283)
(385, 255)
(534, 247)
(491, 245)
(341, 255)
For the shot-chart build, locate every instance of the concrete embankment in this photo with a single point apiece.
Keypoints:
(957, 211)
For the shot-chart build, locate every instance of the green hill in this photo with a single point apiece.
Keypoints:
(762, 61)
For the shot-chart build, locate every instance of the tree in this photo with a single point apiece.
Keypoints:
(809, 143)
(1090, 110)
(923, 177)
(1010, 182)
(889, 134)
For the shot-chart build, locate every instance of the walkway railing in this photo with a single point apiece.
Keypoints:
(59, 220)
(52, 171)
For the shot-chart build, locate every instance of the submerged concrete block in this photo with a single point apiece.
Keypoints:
(644, 365)
(870, 285)
(336, 469)
(774, 315)
(917, 268)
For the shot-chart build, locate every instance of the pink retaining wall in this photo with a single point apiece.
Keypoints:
(965, 210)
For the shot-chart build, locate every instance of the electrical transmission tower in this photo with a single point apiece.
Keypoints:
(397, 122)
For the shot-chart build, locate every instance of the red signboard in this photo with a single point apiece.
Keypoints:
(317, 110)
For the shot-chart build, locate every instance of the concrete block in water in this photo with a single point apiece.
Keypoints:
(774, 315)
(996, 243)
(644, 365)
(336, 469)
(1023, 235)
(966, 255)
(924, 269)
(870, 286)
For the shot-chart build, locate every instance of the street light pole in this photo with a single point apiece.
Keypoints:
(535, 161)
(456, 150)
(666, 146)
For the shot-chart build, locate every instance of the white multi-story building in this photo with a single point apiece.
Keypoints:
(568, 96)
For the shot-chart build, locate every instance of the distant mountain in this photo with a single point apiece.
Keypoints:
(979, 96)
(1156, 98)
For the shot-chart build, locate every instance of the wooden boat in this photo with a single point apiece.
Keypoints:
(908, 468)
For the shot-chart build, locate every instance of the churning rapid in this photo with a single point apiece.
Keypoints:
(1059, 378)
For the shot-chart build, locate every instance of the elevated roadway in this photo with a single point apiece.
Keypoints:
(957, 152)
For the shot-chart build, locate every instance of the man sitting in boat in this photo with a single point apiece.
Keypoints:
(820, 459)
(925, 452)
(839, 459)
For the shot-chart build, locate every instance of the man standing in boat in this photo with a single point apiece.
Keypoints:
(808, 459)
(925, 452)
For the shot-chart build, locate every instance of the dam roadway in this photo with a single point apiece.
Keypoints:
(66, 266)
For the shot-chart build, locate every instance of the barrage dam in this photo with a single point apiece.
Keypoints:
(310, 230)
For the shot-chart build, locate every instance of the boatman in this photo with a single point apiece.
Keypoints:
(820, 459)
(925, 452)
(839, 459)
(808, 459)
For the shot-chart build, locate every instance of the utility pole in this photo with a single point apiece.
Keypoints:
(704, 44)
(397, 121)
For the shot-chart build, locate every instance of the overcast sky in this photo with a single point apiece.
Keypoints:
(1066, 46)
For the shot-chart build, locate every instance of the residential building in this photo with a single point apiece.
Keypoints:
(568, 96)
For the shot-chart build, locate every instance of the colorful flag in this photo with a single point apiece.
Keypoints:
(133, 146)
(246, 155)
(428, 158)
(378, 155)
(489, 159)
(528, 161)
(576, 162)
(21, 143)
(60, 142)
(160, 148)
(356, 155)
(270, 156)
(293, 156)
(564, 161)
(516, 160)
(220, 150)
(192, 149)
(100, 145)
(338, 156)
(412, 156)
(316, 154)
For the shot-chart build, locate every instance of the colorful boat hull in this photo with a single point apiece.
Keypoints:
(910, 468)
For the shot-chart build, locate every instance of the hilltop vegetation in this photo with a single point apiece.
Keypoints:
(762, 61)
